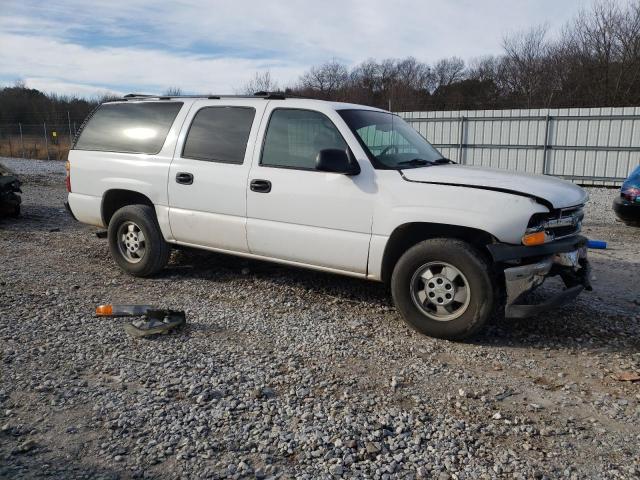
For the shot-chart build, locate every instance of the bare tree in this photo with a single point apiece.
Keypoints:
(260, 82)
(601, 50)
(524, 62)
(326, 79)
(445, 72)
(172, 92)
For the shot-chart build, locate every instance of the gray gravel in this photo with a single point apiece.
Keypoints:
(33, 167)
(598, 211)
(285, 373)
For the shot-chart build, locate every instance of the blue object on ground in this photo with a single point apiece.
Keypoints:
(596, 244)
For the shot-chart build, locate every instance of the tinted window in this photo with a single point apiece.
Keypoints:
(294, 138)
(129, 127)
(219, 134)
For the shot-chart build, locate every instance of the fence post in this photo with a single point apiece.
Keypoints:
(69, 122)
(46, 140)
(546, 144)
(461, 144)
(21, 139)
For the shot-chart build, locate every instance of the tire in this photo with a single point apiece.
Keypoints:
(447, 271)
(136, 242)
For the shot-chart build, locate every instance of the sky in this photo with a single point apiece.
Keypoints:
(90, 48)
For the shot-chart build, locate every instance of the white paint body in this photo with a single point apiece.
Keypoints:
(315, 219)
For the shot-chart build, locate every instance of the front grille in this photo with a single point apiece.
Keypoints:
(565, 222)
(560, 223)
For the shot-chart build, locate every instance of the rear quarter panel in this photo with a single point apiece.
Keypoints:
(93, 173)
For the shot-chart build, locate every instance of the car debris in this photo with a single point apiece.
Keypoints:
(10, 201)
(122, 310)
(155, 321)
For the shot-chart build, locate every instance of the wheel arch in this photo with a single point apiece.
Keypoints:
(409, 234)
(116, 198)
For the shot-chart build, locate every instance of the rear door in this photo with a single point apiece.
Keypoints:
(208, 176)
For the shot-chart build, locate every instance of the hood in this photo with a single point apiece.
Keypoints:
(548, 190)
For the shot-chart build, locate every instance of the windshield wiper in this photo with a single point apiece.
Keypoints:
(419, 162)
(443, 161)
(416, 162)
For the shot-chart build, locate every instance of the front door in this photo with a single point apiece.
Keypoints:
(208, 176)
(297, 213)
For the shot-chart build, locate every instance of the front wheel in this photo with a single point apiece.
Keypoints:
(443, 288)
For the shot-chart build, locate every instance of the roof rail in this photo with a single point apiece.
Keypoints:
(265, 95)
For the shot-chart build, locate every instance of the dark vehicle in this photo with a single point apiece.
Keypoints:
(627, 205)
(9, 189)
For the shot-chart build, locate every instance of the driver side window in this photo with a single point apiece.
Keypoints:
(294, 138)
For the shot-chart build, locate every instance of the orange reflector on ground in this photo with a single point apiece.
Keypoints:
(531, 239)
(104, 310)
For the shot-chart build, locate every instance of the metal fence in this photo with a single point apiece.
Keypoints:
(47, 141)
(591, 146)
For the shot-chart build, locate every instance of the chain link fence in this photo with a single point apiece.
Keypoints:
(44, 141)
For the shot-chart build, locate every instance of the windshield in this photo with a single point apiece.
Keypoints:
(389, 141)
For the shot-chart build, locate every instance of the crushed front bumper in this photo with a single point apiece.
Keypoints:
(567, 259)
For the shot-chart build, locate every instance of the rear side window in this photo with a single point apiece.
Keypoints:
(219, 134)
(129, 127)
(294, 138)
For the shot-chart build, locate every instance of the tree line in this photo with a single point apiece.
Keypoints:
(593, 61)
(19, 104)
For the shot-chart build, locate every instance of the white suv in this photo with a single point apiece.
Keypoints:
(342, 188)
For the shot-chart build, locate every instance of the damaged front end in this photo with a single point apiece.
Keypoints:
(9, 189)
(526, 268)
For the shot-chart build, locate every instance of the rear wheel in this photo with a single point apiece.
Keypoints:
(443, 288)
(136, 242)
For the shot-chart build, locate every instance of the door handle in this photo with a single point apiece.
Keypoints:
(260, 186)
(184, 178)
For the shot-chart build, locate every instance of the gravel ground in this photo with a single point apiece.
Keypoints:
(286, 373)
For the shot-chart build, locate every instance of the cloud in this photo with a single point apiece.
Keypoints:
(215, 46)
(53, 64)
(61, 87)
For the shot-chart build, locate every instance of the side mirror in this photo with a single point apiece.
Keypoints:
(336, 161)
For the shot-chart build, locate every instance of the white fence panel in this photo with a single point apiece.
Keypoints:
(591, 146)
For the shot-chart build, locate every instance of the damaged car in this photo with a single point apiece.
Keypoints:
(342, 188)
(627, 204)
(10, 199)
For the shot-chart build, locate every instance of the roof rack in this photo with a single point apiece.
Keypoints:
(264, 95)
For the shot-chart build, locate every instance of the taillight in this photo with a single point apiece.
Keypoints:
(630, 193)
(67, 180)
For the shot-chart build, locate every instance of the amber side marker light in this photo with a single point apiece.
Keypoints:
(114, 310)
(531, 239)
(104, 310)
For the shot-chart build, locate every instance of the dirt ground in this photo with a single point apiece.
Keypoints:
(344, 388)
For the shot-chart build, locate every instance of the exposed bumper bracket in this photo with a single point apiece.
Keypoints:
(572, 267)
(524, 311)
